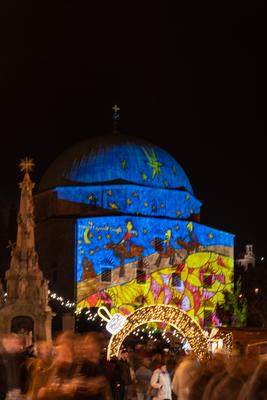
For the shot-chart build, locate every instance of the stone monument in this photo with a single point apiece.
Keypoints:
(25, 306)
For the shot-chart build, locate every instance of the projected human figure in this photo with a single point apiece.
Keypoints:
(190, 242)
(126, 240)
(164, 248)
(125, 248)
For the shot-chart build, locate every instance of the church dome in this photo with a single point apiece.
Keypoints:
(115, 158)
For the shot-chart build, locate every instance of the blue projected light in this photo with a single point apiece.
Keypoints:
(144, 164)
(99, 237)
(133, 199)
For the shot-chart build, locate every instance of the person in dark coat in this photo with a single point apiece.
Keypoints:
(93, 383)
(126, 378)
(12, 367)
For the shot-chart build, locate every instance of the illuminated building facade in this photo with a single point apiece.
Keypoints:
(118, 225)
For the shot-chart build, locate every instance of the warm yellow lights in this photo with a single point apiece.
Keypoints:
(227, 338)
(179, 319)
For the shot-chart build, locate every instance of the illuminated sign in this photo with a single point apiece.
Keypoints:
(114, 323)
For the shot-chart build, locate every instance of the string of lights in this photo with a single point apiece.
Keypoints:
(175, 317)
(184, 326)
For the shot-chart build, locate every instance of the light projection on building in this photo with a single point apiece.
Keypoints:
(129, 199)
(125, 262)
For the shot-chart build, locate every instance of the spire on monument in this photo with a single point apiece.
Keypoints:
(27, 289)
(115, 116)
(24, 258)
(26, 164)
(25, 218)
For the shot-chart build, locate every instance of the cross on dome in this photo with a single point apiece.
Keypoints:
(116, 112)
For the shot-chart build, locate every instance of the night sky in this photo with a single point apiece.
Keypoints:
(189, 80)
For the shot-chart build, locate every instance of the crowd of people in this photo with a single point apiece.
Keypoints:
(75, 367)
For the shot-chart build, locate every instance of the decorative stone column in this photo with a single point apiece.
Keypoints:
(27, 289)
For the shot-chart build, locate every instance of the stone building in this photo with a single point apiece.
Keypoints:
(118, 224)
(247, 259)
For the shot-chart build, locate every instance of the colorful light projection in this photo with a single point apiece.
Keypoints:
(133, 199)
(107, 159)
(125, 262)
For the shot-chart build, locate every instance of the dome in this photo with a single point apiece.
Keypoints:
(115, 158)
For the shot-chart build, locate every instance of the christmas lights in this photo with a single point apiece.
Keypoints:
(175, 317)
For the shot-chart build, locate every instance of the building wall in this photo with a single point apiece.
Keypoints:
(175, 262)
(55, 239)
(176, 266)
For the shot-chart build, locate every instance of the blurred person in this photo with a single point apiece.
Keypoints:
(115, 369)
(252, 360)
(114, 374)
(199, 382)
(93, 382)
(37, 365)
(65, 338)
(143, 375)
(161, 382)
(231, 384)
(218, 372)
(171, 363)
(12, 368)
(256, 388)
(74, 373)
(183, 376)
(26, 336)
(156, 359)
(204, 374)
(132, 361)
(57, 381)
(135, 356)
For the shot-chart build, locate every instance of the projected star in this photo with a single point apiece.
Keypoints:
(153, 162)
(144, 176)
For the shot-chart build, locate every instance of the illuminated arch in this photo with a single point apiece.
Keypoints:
(171, 315)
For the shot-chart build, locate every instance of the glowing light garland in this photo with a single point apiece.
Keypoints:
(186, 326)
(227, 338)
(61, 300)
(179, 319)
(71, 305)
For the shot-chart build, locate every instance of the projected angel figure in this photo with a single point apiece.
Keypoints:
(164, 248)
(192, 244)
(126, 240)
(125, 248)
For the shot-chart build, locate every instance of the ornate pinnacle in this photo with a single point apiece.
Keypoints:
(26, 164)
